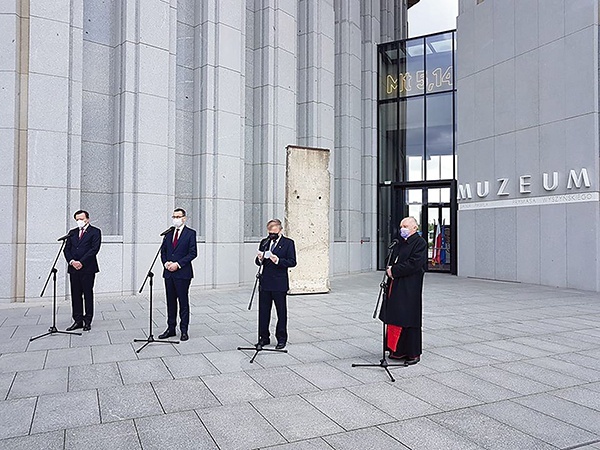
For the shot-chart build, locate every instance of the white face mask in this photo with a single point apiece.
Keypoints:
(177, 222)
(81, 223)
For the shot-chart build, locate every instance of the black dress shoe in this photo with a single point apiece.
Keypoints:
(262, 342)
(184, 337)
(87, 327)
(411, 361)
(396, 356)
(280, 345)
(166, 334)
(75, 326)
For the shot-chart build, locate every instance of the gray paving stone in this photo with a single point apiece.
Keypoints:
(14, 362)
(155, 350)
(48, 342)
(128, 402)
(69, 357)
(346, 409)
(564, 410)
(340, 349)
(142, 371)
(230, 361)
(473, 386)
(6, 380)
(365, 439)
(113, 353)
(235, 388)
(31, 383)
(508, 380)
(126, 336)
(197, 344)
(184, 395)
(53, 440)
(239, 427)
(184, 366)
(567, 368)
(106, 436)
(487, 432)
(393, 400)
(69, 410)
(94, 376)
(16, 416)
(437, 394)
(281, 381)
(228, 341)
(309, 444)
(424, 434)
(94, 337)
(181, 430)
(15, 345)
(324, 376)
(581, 396)
(542, 375)
(536, 424)
(309, 353)
(295, 418)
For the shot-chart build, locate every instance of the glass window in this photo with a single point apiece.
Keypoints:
(411, 137)
(440, 136)
(388, 71)
(411, 79)
(389, 163)
(439, 62)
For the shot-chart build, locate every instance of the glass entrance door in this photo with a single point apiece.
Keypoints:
(434, 206)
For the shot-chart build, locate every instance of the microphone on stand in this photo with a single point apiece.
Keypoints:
(393, 243)
(167, 231)
(66, 236)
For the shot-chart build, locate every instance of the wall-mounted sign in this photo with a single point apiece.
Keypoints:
(409, 83)
(578, 181)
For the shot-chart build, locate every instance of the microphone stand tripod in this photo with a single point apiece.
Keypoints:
(383, 287)
(150, 339)
(259, 347)
(53, 330)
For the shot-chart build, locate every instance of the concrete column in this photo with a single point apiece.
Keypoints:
(273, 112)
(221, 135)
(14, 79)
(316, 84)
(371, 36)
(147, 139)
(348, 121)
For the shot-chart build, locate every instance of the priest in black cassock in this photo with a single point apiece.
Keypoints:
(402, 308)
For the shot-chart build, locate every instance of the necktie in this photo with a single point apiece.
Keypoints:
(176, 238)
(273, 246)
(81, 233)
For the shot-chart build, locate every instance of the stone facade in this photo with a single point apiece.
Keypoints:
(129, 108)
(528, 139)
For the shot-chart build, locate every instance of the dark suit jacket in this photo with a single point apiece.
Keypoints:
(275, 276)
(404, 306)
(83, 250)
(183, 253)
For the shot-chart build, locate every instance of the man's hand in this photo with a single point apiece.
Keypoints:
(77, 265)
(259, 255)
(173, 267)
(389, 272)
(274, 258)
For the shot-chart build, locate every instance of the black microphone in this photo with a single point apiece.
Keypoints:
(167, 231)
(393, 243)
(264, 244)
(66, 236)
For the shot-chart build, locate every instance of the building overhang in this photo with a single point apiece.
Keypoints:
(412, 2)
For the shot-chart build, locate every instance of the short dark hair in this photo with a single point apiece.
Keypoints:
(81, 211)
(274, 221)
(181, 210)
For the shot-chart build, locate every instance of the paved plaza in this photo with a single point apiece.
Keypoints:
(505, 366)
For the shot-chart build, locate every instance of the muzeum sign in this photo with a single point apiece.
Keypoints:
(578, 189)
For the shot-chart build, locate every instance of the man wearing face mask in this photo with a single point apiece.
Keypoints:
(81, 247)
(402, 308)
(176, 253)
(276, 254)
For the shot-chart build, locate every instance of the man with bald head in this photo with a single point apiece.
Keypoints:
(402, 309)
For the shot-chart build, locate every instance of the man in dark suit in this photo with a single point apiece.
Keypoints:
(402, 308)
(276, 254)
(176, 253)
(81, 248)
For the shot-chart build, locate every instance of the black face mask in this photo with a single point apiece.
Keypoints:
(273, 236)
